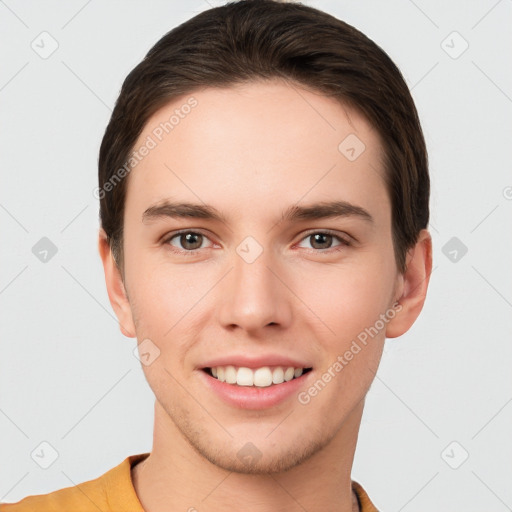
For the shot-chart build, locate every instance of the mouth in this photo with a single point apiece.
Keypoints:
(265, 376)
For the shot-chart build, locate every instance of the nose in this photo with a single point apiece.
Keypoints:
(254, 297)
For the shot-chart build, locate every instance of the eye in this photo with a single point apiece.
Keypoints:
(186, 241)
(323, 240)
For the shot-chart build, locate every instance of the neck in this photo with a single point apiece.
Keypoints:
(176, 477)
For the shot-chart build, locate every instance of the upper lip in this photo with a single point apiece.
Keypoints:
(259, 361)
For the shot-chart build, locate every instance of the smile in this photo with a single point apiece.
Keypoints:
(258, 377)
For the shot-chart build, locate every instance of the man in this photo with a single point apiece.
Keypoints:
(264, 188)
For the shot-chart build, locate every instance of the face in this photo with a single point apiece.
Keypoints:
(250, 275)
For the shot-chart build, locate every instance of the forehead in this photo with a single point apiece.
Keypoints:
(252, 146)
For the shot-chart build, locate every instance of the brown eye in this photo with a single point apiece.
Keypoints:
(321, 240)
(191, 241)
(325, 241)
(187, 241)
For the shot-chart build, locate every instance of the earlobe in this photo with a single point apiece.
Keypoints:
(414, 286)
(115, 287)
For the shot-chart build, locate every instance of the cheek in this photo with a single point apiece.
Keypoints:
(351, 305)
(159, 297)
(348, 298)
(170, 307)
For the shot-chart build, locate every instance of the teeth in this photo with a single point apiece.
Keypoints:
(230, 374)
(278, 375)
(263, 377)
(260, 377)
(289, 373)
(245, 377)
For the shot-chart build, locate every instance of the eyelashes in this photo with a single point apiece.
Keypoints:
(344, 242)
(182, 235)
(183, 238)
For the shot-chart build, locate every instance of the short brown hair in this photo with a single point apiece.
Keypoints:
(249, 40)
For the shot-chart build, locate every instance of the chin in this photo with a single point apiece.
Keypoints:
(258, 457)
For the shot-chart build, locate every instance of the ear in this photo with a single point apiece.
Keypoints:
(412, 286)
(115, 287)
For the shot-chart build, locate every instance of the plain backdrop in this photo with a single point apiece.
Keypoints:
(436, 432)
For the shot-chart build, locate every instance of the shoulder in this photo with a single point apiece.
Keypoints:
(365, 504)
(81, 498)
(111, 491)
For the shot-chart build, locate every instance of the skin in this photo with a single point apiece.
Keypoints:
(251, 151)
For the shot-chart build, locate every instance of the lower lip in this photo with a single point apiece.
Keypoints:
(252, 397)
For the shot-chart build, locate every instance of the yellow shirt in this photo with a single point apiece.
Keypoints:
(112, 492)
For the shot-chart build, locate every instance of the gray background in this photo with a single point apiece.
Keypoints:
(69, 378)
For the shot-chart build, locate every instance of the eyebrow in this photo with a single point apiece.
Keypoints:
(316, 211)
